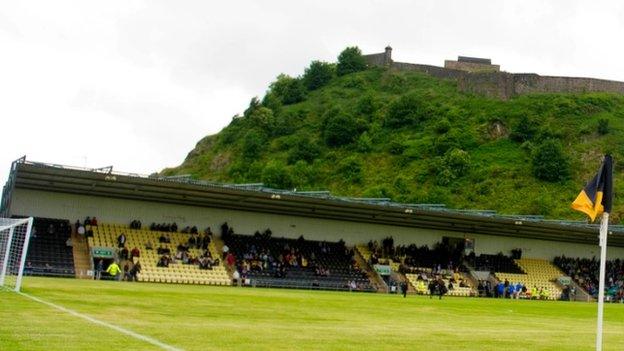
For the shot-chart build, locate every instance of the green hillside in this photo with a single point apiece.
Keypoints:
(416, 139)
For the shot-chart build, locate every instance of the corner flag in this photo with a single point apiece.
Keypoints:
(597, 196)
(595, 199)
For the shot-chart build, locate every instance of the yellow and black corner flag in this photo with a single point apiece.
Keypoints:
(597, 196)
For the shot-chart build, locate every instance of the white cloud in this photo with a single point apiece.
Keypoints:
(136, 84)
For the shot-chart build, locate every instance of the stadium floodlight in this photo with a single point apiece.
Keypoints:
(14, 238)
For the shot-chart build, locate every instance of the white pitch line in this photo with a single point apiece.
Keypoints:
(104, 324)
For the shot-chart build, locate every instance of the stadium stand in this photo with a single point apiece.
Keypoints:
(585, 272)
(497, 263)
(48, 250)
(262, 260)
(106, 235)
(420, 264)
(539, 274)
(457, 285)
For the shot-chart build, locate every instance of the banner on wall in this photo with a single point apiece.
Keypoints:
(383, 269)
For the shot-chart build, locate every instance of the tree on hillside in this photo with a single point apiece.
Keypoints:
(303, 150)
(318, 74)
(253, 144)
(340, 129)
(406, 110)
(290, 90)
(350, 60)
(549, 161)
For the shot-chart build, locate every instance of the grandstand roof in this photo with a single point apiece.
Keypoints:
(320, 204)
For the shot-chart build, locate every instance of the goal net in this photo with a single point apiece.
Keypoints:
(14, 238)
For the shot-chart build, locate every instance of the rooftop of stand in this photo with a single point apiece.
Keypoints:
(256, 197)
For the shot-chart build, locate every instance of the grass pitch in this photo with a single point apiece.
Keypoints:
(225, 318)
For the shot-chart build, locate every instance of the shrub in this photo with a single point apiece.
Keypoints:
(549, 162)
(603, 126)
(350, 60)
(318, 74)
(253, 144)
(367, 105)
(340, 129)
(396, 147)
(276, 175)
(524, 130)
(364, 143)
(454, 164)
(350, 169)
(458, 161)
(303, 150)
(289, 90)
(442, 126)
(406, 110)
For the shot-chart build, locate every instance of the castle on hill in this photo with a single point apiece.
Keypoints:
(480, 76)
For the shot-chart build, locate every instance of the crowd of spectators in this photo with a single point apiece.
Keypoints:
(260, 254)
(585, 272)
(412, 257)
(164, 227)
(84, 228)
(136, 224)
(183, 253)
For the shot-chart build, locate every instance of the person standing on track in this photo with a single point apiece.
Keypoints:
(115, 271)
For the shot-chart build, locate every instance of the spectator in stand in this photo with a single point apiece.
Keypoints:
(77, 224)
(236, 278)
(123, 253)
(131, 274)
(226, 249)
(224, 229)
(121, 240)
(114, 270)
(135, 252)
(174, 227)
(94, 222)
(230, 260)
(194, 230)
(163, 261)
(87, 221)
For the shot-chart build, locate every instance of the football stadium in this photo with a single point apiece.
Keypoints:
(237, 266)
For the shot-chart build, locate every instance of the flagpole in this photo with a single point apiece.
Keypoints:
(604, 225)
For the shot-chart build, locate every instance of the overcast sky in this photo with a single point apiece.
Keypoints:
(136, 84)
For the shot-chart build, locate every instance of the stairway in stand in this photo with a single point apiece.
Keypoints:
(373, 276)
(217, 244)
(82, 257)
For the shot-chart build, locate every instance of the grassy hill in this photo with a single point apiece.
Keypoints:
(417, 139)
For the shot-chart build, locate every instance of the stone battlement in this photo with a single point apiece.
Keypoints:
(480, 76)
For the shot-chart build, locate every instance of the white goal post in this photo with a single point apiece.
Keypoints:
(14, 239)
